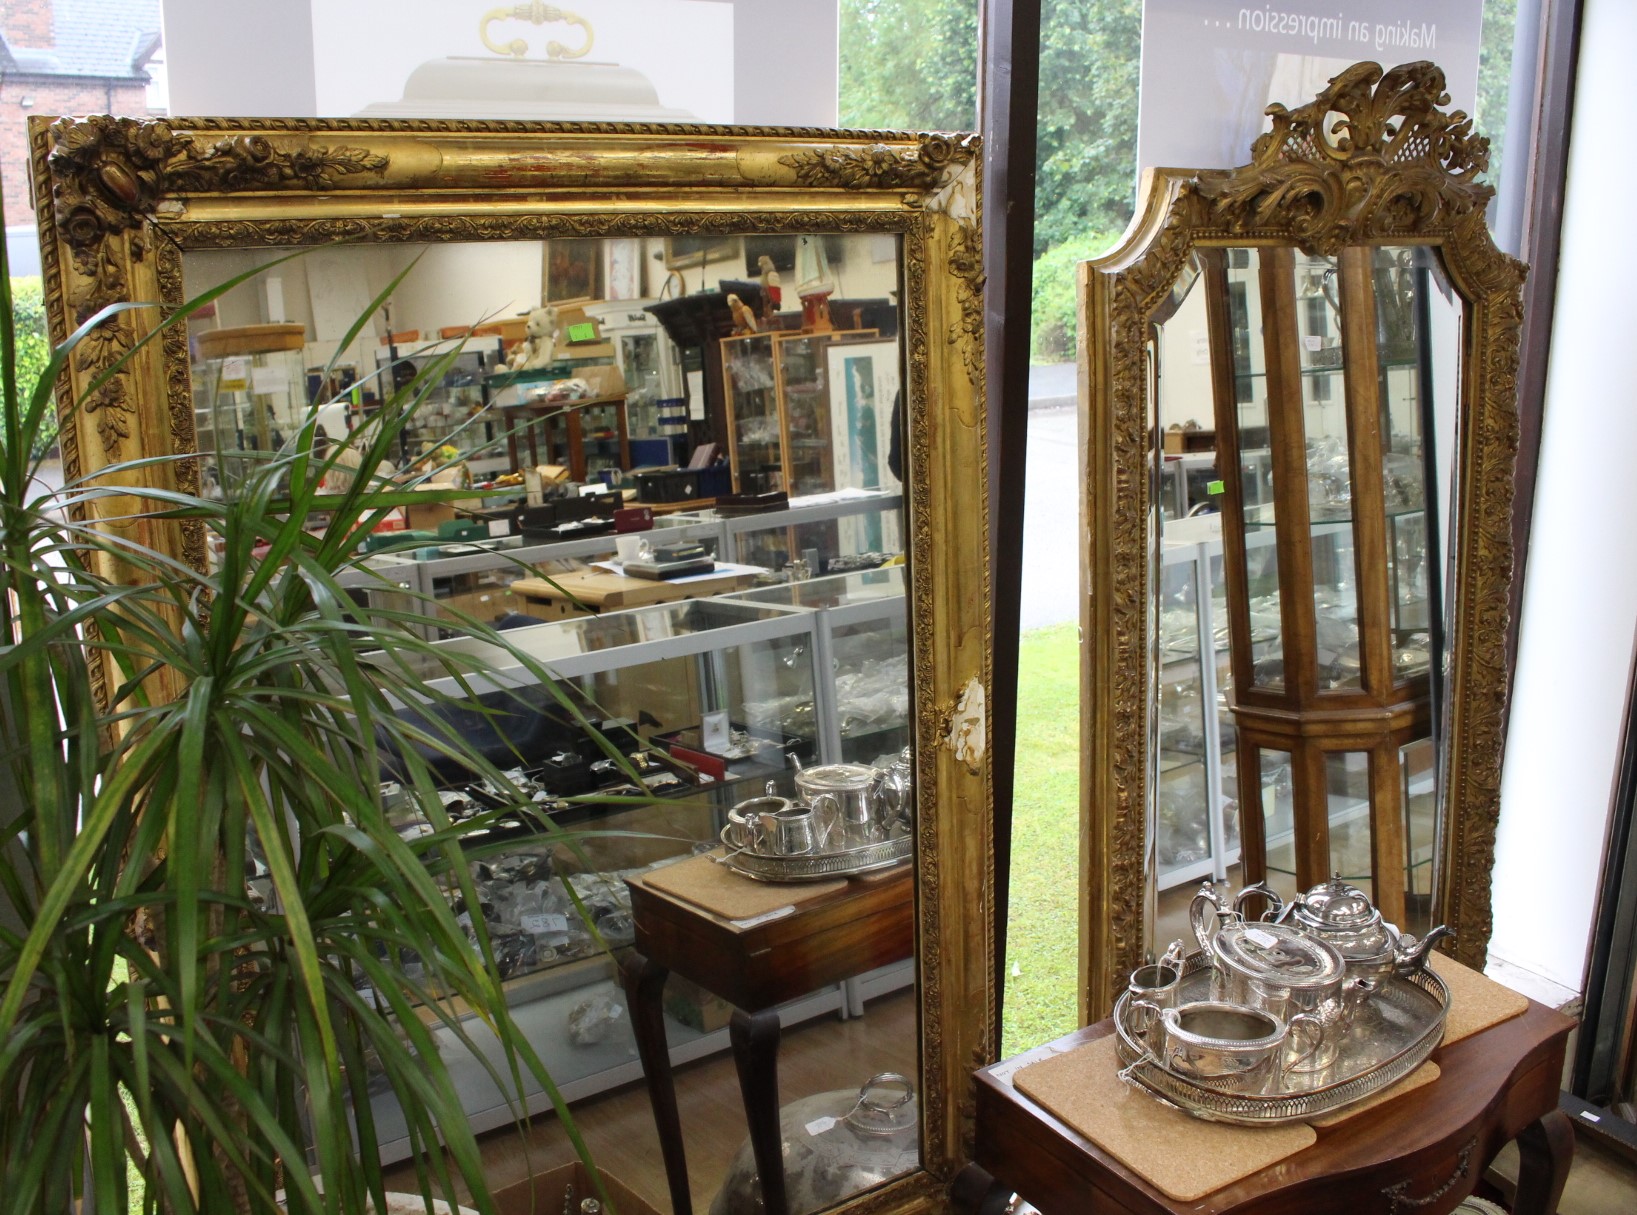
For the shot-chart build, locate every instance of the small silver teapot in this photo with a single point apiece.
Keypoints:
(1342, 915)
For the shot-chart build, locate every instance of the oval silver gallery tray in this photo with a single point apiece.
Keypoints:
(815, 866)
(1392, 1034)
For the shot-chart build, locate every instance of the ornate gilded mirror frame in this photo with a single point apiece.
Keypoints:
(120, 200)
(1373, 161)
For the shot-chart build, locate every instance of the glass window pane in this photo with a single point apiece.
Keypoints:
(1277, 794)
(1347, 789)
(1255, 466)
(1418, 770)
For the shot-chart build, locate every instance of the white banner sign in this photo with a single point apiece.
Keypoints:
(1211, 67)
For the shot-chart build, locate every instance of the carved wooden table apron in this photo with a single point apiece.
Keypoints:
(1417, 1155)
(831, 938)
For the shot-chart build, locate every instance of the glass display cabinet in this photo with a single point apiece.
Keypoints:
(448, 405)
(655, 670)
(860, 635)
(778, 410)
(826, 531)
(250, 396)
(1318, 369)
(656, 407)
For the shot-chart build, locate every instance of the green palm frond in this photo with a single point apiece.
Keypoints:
(151, 1010)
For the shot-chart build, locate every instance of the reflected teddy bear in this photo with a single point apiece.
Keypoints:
(539, 342)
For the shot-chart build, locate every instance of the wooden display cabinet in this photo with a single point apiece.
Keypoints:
(1318, 372)
(777, 390)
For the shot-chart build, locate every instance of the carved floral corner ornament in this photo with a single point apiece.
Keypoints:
(879, 167)
(108, 176)
(1372, 155)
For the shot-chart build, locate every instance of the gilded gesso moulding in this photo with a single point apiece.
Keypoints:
(1373, 160)
(121, 201)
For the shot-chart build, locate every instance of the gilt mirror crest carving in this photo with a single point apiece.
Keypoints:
(136, 210)
(1299, 426)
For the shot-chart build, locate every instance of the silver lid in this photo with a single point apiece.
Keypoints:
(1337, 904)
(836, 777)
(1279, 954)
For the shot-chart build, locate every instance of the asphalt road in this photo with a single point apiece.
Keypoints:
(1051, 520)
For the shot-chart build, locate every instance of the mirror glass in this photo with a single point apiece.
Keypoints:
(1303, 417)
(749, 366)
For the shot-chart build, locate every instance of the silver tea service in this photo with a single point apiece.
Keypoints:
(1200, 1032)
(844, 819)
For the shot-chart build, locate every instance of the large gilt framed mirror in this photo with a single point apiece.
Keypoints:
(669, 223)
(1299, 429)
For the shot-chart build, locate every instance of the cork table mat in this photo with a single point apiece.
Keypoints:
(1419, 1078)
(722, 892)
(1475, 1002)
(1083, 1089)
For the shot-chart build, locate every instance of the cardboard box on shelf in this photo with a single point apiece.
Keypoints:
(574, 339)
(605, 380)
(430, 514)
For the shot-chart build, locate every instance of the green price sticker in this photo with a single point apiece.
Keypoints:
(586, 332)
(1213, 487)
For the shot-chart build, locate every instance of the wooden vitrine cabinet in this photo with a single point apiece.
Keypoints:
(1319, 372)
(779, 412)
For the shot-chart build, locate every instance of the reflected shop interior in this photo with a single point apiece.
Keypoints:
(681, 494)
(1303, 480)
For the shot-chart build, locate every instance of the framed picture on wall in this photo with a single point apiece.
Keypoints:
(573, 269)
(863, 379)
(682, 252)
(622, 267)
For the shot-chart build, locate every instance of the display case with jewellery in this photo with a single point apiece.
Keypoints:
(782, 672)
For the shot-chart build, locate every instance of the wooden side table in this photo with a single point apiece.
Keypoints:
(754, 968)
(1418, 1155)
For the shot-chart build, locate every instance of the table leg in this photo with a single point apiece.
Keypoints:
(644, 987)
(755, 1038)
(1545, 1151)
(977, 1193)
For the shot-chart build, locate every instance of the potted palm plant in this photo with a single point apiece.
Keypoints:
(167, 1041)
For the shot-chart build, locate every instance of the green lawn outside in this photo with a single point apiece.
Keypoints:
(1042, 935)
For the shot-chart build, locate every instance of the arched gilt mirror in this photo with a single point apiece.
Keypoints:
(658, 253)
(1299, 429)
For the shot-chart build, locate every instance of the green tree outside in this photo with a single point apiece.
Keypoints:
(33, 346)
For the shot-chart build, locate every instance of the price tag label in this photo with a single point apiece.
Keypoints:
(272, 378)
(235, 374)
(1313, 342)
(1215, 487)
(819, 1125)
(1257, 937)
(546, 924)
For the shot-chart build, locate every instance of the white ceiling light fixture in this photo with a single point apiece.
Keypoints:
(564, 86)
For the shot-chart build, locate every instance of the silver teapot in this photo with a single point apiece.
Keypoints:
(1341, 915)
(834, 1145)
(1278, 969)
(863, 801)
